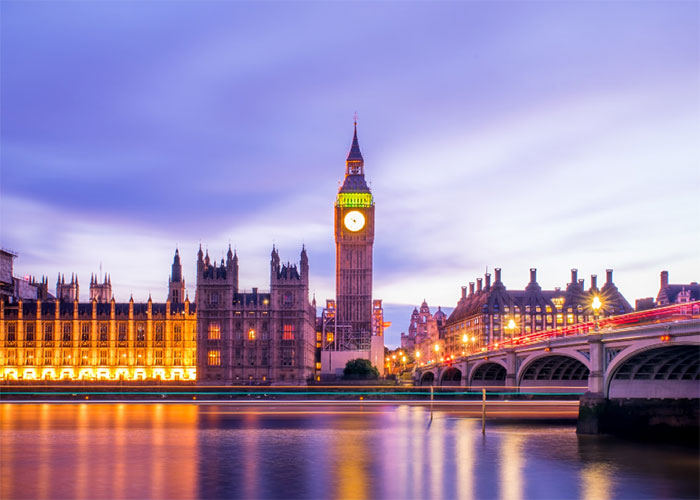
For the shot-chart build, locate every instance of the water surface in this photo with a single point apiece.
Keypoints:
(222, 451)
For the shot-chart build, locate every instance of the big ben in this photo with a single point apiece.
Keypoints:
(354, 238)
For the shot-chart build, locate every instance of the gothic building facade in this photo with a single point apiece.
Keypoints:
(62, 338)
(254, 336)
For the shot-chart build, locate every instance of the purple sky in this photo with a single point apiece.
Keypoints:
(550, 135)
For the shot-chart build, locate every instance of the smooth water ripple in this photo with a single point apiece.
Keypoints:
(225, 451)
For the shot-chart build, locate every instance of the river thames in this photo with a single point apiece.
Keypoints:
(180, 450)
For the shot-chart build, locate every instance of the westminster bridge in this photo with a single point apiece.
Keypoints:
(648, 354)
(635, 371)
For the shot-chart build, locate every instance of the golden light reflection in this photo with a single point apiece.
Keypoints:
(511, 479)
(350, 452)
(595, 482)
(44, 446)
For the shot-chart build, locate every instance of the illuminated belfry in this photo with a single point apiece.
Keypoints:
(64, 339)
(354, 239)
(348, 324)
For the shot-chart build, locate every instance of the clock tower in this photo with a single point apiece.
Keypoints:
(354, 238)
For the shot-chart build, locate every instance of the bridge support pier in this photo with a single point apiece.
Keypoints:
(511, 370)
(646, 419)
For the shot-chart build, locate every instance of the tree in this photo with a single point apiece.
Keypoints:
(360, 369)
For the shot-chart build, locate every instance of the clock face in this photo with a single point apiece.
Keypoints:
(354, 221)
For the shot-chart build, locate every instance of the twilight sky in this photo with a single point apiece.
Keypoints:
(495, 134)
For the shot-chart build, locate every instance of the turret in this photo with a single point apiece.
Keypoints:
(176, 283)
(304, 265)
(274, 264)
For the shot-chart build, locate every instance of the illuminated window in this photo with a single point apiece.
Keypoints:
(158, 357)
(329, 337)
(251, 334)
(122, 330)
(214, 331)
(103, 357)
(177, 333)
(560, 319)
(177, 358)
(29, 358)
(11, 357)
(140, 358)
(288, 332)
(85, 328)
(214, 358)
(48, 357)
(318, 366)
(548, 309)
(84, 358)
(140, 332)
(570, 318)
(66, 358)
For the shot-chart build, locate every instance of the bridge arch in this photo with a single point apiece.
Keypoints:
(451, 376)
(427, 378)
(488, 373)
(560, 371)
(655, 370)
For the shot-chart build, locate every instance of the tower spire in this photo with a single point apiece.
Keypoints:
(355, 155)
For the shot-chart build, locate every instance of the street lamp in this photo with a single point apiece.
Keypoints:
(511, 327)
(596, 305)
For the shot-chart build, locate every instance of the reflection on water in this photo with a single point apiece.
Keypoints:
(223, 451)
(511, 480)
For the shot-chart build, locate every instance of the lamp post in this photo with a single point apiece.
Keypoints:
(511, 327)
(596, 305)
(437, 350)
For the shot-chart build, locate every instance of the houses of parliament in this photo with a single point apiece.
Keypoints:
(224, 336)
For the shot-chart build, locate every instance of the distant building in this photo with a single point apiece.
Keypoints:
(423, 330)
(484, 315)
(63, 339)
(13, 288)
(254, 337)
(676, 294)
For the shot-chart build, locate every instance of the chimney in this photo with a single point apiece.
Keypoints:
(574, 276)
(664, 279)
(580, 284)
(464, 292)
(488, 280)
(471, 288)
(608, 276)
(594, 282)
(478, 285)
(498, 275)
(533, 275)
